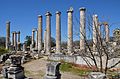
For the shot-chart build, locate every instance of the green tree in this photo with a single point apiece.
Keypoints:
(28, 40)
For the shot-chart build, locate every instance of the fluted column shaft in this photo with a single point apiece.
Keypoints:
(82, 28)
(48, 29)
(106, 32)
(45, 32)
(58, 32)
(39, 33)
(95, 32)
(70, 30)
(7, 34)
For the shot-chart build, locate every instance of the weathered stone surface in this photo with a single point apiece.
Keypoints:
(70, 30)
(82, 28)
(97, 75)
(48, 35)
(58, 32)
(39, 33)
(7, 34)
(52, 71)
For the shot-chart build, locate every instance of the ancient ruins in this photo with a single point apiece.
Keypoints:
(41, 45)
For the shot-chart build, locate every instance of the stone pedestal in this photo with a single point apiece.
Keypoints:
(52, 71)
(15, 70)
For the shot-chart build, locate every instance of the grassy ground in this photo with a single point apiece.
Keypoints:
(68, 67)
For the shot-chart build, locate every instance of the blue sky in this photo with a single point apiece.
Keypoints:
(23, 14)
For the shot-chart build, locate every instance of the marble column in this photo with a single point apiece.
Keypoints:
(48, 29)
(45, 40)
(12, 38)
(15, 40)
(18, 42)
(106, 31)
(24, 47)
(82, 28)
(36, 44)
(33, 36)
(95, 32)
(39, 33)
(58, 32)
(7, 34)
(70, 30)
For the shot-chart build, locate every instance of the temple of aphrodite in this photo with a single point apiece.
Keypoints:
(36, 42)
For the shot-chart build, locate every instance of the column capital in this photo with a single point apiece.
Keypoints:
(58, 12)
(95, 15)
(8, 22)
(18, 32)
(105, 23)
(70, 10)
(48, 13)
(39, 16)
(82, 9)
(34, 29)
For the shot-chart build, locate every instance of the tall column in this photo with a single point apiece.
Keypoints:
(106, 31)
(7, 34)
(12, 38)
(18, 42)
(70, 30)
(36, 39)
(95, 34)
(48, 29)
(39, 33)
(82, 28)
(15, 40)
(33, 36)
(58, 32)
(45, 40)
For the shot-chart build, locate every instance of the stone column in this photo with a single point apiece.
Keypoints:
(70, 30)
(48, 29)
(12, 38)
(95, 32)
(58, 32)
(7, 34)
(36, 40)
(39, 33)
(24, 47)
(18, 42)
(45, 40)
(15, 40)
(82, 28)
(106, 31)
(33, 36)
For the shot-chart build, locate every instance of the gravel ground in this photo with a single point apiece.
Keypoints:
(36, 70)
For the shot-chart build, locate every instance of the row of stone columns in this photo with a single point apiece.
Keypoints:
(47, 33)
(97, 32)
(16, 40)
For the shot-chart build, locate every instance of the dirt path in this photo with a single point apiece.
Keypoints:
(36, 70)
